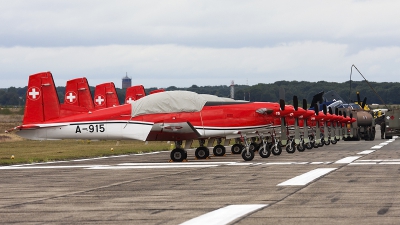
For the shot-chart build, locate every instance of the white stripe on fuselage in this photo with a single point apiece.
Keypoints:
(122, 130)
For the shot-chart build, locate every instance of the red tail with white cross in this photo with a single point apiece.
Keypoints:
(77, 95)
(105, 95)
(42, 102)
(134, 93)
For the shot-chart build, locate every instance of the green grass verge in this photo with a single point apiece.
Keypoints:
(29, 151)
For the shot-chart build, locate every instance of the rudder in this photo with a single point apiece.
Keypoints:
(42, 103)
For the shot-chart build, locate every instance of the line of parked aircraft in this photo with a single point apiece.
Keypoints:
(178, 116)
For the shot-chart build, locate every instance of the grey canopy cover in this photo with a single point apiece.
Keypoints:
(168, 102)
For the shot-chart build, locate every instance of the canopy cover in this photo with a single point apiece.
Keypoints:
(168, 102)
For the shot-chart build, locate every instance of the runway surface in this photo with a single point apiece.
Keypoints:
(347, 183)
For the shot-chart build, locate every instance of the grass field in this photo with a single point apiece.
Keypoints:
(28, 151)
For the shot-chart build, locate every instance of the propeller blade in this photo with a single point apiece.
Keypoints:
(282, 104)
(344, 114)
(324, 109)
(295, 103)
(316, 109)
(364, 102)
(330, 110)
(304, 104)
(336, 111)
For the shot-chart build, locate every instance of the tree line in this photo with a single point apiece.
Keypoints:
(388, 91)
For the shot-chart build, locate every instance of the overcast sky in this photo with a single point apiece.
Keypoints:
(181, 43)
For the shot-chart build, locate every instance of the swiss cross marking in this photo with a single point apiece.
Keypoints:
(33, 93)
(129, 100)
(99, 100)
(71, 97)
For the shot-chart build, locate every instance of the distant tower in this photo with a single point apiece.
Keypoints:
(126, 82)
(232, 90)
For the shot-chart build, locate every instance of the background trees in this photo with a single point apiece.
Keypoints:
(389, 91)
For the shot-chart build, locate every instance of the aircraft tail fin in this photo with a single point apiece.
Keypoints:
(42, 101)
(157, 91)
(78, 98)
(77, 93)
(134, 93)
(105, 95)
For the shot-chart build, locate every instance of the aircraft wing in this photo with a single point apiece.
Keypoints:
(172, 131)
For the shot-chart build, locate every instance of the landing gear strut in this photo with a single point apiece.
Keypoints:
(247, 153)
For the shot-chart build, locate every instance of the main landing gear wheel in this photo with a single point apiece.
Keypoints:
(254, 146)
(236, 148)
(290, 148)
(247, 155)
(264, 153)
(219, 150)
(301, 147)
(334, 141)
(276, 149)
(202, 152)
(178, 155)
(328, 142)
(308, 145)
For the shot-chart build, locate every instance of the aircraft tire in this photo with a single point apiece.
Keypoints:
(290, 148)
(254, 146)
(202, 152)
(334, 141)
(388, 137)
(308, 145)
(264, 153)
(219, 150)
(178, 155)
(301, 147)
(236, 148)
(276, 149)
(321, 143)
(247, 156)
(328, 142)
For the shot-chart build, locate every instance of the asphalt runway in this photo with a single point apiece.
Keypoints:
(346, 183)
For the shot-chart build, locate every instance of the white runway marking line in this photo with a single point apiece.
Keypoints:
(47, 167)
(161, 165)
(366, 152)
(377, 162)
(377, 147)
(224, 215)
(147, 167)
(307, 177)
(347, 160)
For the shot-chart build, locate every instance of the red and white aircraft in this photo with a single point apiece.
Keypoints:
(166, 116)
